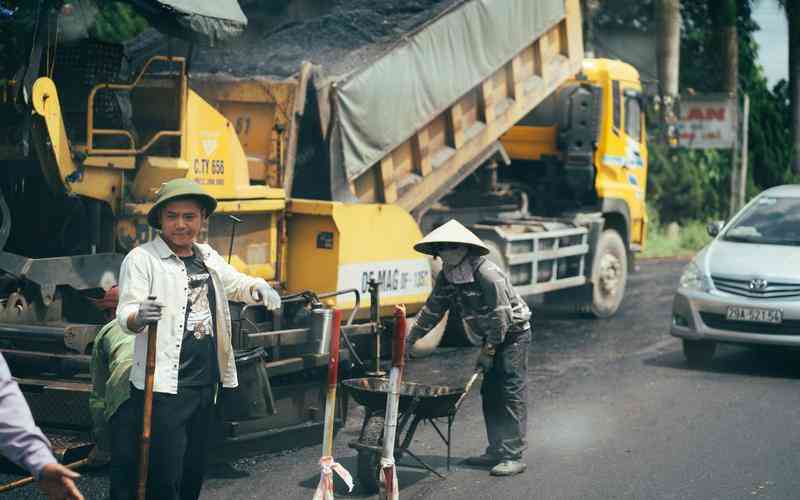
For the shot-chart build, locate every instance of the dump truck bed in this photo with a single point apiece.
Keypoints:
(401, 104)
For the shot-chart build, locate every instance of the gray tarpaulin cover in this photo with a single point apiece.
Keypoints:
(387, 101)
(205, 20)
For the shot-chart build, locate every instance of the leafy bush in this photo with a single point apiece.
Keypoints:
(687, 184)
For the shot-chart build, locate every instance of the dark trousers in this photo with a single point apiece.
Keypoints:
(181, 425)
(504, 392)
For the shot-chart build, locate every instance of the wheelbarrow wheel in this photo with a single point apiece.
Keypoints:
(369, 461)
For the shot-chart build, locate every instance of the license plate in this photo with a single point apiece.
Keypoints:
(773, 316)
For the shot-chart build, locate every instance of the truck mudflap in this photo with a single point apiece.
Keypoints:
(540, 255)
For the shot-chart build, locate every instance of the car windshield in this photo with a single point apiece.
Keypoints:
(770, 220)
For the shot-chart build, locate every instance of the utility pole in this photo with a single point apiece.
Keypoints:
(668, 18)
(743, 169)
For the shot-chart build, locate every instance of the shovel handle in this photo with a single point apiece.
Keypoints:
(399, 348)
(147, 412)
(471, 381)
(19, 483)
(333, 378)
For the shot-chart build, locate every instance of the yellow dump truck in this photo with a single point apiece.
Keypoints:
(329, 160)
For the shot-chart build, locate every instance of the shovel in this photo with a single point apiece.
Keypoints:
(472, 379)
(147, 413)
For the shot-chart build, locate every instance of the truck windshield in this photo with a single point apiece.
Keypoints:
(771, 221)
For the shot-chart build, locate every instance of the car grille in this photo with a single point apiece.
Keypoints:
(720, 322)
(742, 288)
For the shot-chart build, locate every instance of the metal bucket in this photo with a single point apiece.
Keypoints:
(321, 319)
(253, 397)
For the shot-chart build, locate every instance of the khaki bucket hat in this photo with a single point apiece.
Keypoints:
(179, 188)
(450, 232)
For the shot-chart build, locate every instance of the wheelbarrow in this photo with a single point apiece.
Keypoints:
(418, 403)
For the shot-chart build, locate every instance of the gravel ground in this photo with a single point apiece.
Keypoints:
(340, 36)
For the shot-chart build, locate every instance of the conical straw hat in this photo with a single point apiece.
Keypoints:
(451, 232)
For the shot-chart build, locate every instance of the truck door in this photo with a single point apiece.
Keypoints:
(635, 164)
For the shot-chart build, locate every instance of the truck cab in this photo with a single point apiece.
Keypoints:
(584, 149)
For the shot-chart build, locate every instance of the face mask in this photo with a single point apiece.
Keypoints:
(453, 256)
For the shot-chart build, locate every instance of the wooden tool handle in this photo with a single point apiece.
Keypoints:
(333, 379)
(333, 364)
(28, 480)
(399, 348)
(147, 413)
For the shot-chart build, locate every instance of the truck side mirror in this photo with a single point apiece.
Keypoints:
(715, 227)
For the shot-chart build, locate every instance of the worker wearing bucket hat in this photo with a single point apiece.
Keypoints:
(481, 293)
(192, 285)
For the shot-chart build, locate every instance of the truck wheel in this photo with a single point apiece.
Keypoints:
(609, 275)
(369, 462)
(698, 353)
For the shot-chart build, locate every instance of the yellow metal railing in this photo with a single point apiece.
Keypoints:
(91, 131)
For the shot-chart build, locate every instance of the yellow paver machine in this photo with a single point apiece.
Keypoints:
(329, 160)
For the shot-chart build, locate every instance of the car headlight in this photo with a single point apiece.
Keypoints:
(694, 279)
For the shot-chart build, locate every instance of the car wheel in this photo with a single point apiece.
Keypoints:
(699, 353)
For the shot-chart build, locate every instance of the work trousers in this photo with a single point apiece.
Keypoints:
(504, 392)
(181, 425)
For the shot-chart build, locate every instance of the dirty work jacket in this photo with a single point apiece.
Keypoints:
(112, 359)
(489, 306)
(154, 269)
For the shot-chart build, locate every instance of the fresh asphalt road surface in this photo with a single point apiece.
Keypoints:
(614, 413)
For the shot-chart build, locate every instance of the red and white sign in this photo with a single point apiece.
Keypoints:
(707, 122)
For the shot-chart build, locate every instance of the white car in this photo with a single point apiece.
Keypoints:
(744, 287)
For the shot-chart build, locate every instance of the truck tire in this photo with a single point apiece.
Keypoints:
(609, 275)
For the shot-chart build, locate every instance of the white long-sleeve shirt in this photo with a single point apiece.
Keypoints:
(153, 269)
(21, 441)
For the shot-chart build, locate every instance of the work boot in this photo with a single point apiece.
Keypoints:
(485, 460)
(508, 468)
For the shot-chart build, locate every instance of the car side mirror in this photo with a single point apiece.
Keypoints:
(715, 227)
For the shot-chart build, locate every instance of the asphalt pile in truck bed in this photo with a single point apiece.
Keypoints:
(344, 35)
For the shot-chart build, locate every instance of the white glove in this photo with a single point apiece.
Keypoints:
(149, 312)
(265, 293)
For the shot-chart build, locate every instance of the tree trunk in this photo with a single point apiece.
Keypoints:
(793, 16)
(668, 17)
(589, 10)
(723, 15)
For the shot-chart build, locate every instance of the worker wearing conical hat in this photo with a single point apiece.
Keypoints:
(482, 295)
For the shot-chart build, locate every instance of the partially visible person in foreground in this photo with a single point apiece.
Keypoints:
(22, 442)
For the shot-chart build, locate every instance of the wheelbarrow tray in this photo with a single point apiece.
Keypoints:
(433, 401)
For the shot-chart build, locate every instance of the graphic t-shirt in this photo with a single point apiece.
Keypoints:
(198, 364)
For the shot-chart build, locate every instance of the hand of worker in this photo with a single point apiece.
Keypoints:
(486, 358)
(57, 482)
(411, 339)
(149, 312)
(265, 293)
